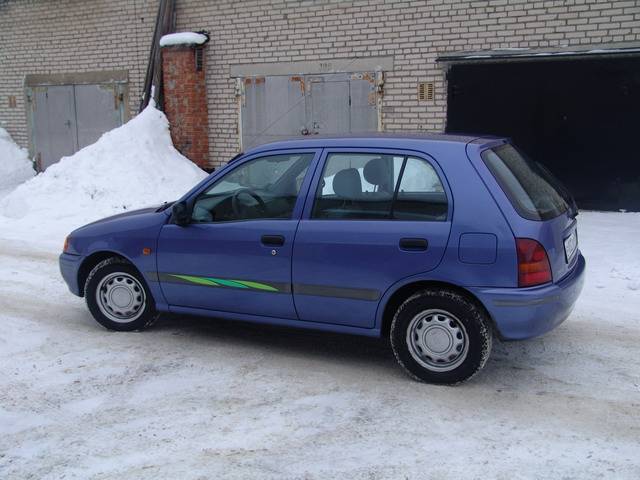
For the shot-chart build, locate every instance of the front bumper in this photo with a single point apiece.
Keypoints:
(520, 313)
(69, 266)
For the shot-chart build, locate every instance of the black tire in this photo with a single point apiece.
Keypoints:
(144, 315)
(460, 318)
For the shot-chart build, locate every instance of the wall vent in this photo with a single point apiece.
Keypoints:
(425, 91)
(199, 59)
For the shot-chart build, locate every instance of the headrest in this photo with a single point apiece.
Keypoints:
(377, 172)
(347, 183)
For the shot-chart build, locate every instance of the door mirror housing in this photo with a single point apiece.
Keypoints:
(181, 214)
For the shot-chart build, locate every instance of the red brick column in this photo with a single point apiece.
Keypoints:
(185, 101)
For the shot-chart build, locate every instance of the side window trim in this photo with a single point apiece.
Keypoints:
(406, 154)
(191, 196)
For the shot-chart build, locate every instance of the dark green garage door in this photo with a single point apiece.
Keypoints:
(579, 117)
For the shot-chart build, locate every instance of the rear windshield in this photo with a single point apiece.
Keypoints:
(533, 192)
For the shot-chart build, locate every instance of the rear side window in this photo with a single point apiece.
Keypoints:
(529, 187)
(364, 186)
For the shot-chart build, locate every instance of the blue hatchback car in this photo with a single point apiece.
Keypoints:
(439, 242)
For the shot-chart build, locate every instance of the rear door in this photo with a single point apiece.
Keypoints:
(372, 217)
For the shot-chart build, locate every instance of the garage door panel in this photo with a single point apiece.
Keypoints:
(330, 106)
(54, 124)
(362, 112)
(273, 109)
(98, 111)
(66, 118)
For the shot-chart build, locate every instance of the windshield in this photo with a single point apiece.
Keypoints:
(533, 192)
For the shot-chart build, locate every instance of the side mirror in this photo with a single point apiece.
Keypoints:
(181, 214)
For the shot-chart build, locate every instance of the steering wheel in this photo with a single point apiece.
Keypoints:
(236, 204)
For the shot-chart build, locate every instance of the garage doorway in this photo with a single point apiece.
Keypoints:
(68, 112)
(282, 100)
(281, 107)
(580, 117)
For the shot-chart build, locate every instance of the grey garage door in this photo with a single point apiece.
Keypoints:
(279, 107)
(66, 118)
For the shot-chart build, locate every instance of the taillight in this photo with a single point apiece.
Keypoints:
(65, 248)
(533, 263)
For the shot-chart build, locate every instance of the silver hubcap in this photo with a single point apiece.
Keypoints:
(120, 297)
(437, 340)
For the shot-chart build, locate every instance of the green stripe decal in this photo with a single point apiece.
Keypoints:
(228, 283)
(259, 286)
(199, 280)
(222, 282)
(364, 294)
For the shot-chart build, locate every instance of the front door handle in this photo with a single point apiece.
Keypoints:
(273, 240)
(414, 244)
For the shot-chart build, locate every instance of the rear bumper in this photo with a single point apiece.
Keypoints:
(69, 265)
(521, 313)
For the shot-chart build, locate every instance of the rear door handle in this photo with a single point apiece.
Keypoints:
(272, 240)
(414, 244)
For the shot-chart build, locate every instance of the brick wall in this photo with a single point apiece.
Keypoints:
(70, 36)
(414, 32)
(87, 35)
(185, 102)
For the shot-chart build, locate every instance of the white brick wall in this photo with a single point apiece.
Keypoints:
(257, 31)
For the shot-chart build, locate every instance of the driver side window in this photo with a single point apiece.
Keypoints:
(266, 187)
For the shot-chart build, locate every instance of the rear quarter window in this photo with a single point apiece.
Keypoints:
(529, 187)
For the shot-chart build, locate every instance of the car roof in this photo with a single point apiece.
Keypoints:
(406, 141)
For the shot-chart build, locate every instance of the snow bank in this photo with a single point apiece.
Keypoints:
(183, 38)
(15, 166)
(130, 167)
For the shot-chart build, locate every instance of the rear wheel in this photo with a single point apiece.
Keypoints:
(439, 336)
(118, 297)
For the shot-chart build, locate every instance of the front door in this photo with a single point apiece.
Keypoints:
(372, 219)
(235, 256)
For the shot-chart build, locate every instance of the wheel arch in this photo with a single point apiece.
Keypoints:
(405, 291)
(91, 261)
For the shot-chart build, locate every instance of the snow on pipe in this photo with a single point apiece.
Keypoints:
(183, 38)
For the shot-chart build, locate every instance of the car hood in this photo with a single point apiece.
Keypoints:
(112, 233)
(132, 213)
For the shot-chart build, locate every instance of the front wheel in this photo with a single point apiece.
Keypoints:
(118, 297)
(439, 336)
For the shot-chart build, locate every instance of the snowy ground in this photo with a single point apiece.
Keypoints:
(193, 398)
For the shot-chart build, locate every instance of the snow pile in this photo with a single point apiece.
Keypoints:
(130, 167)
(15, 166)
(182, 38)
